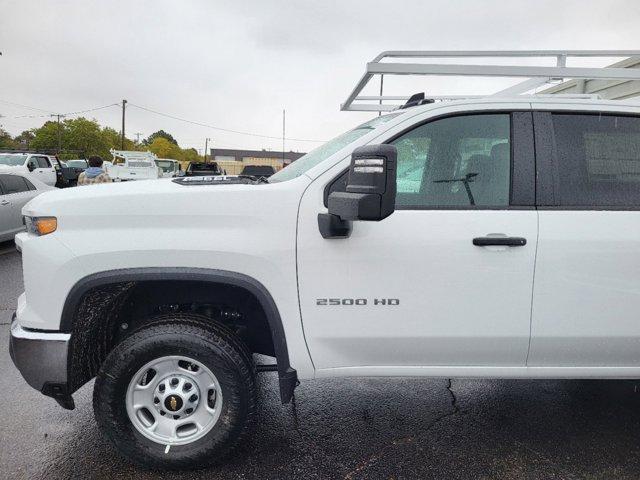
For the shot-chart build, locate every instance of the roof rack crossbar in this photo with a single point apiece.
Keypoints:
(536, 75)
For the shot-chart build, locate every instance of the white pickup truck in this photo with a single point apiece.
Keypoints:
(39, 166)
(170, 168)
(481, 237)
(132, 165)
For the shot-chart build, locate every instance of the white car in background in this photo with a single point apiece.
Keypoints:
(170, 168)
(38, 165)
(16, 189)
(132, 165)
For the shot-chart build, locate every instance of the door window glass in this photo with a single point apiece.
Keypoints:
(13, 184)
(455, 162)
(33, 163)
(43, 162)
(598, 160)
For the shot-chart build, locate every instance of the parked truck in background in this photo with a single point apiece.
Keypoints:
(199, 169)
(170, 168)
(132, 165)
(40, 166)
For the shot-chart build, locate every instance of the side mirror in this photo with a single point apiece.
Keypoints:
(370, 194)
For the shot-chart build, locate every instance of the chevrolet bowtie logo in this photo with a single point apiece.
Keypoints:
(173, 403)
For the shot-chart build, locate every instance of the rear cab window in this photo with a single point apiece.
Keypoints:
(594, 160)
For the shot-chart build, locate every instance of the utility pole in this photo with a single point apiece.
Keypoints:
(124, 103)
(206, 143)
(381, 84)
(283, 117)
(59, 133)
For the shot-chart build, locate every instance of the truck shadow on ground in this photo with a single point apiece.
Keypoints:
(408, 428)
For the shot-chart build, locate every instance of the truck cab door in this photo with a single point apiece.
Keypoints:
(45, 171)
(429, 286)
(586, 298)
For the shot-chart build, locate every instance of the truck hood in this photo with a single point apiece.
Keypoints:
(13, 168)
(170, 198)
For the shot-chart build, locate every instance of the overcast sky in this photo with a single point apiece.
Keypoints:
(238, 64)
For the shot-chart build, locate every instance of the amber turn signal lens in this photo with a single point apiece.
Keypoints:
(46, 225)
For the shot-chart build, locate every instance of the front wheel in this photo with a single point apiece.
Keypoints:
(179, 393)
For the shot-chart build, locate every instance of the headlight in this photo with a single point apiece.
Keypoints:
(41, 225)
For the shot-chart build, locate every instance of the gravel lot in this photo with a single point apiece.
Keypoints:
(352, 429)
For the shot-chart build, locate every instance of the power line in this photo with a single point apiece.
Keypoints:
(222, 129)
(238, 132)
(92, 109)
(25, 106)
(66, 114)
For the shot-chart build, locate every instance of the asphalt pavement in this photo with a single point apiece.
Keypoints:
(352, 428)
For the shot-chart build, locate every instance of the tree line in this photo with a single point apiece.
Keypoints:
(83, 137)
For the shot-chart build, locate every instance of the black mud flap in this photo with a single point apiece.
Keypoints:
(59, 393)
(288, 383)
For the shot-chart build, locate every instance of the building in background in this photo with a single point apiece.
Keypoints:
(233, 161)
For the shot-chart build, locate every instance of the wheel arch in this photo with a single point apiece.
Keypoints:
(287, 375)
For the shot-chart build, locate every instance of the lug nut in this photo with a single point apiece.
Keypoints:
(193, 398)
(156, 400)
(162, 412)
(161, 387)
(174, 382)
(188, 411)
(187, 387)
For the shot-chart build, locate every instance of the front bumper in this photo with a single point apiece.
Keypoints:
(41, 358)
(20, 239)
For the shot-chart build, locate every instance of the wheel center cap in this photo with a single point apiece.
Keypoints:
(176, 395)
(173, 403)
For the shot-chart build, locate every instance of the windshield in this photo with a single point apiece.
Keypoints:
(12, 160)
(324, 151)
(166, 165)
(77, 163)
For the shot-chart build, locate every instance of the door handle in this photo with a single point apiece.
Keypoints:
(500, 241)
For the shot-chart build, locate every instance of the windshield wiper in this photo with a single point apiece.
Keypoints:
(468, 178)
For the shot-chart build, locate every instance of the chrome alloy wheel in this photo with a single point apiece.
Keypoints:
(174, 400)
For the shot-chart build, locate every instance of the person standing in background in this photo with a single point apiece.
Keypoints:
(93, 174)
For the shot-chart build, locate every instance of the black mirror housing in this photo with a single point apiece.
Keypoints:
(371, 189)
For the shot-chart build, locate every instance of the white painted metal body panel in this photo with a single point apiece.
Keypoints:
(46, 175)
(248, 229)
(458, 304)
(586, 303)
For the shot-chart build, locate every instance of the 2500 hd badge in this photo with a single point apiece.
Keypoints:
(357, 301)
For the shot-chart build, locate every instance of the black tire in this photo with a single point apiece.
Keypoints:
(196, 337)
